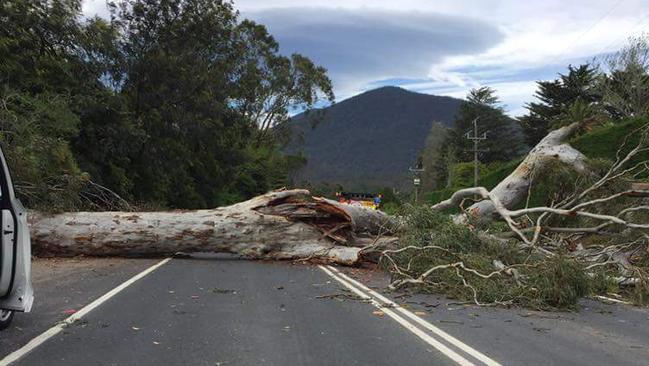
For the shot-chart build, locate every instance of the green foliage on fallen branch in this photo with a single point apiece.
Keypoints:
(557, 282)
(467, 258)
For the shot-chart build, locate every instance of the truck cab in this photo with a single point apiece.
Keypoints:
(16, 293)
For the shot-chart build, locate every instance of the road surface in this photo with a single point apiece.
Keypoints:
(226, 311)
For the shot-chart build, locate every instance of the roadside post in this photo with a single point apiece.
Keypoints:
(416, 181)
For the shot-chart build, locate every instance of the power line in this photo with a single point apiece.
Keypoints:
(638, 25)
(591, 27)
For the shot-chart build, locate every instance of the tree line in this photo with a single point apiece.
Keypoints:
(168, 103)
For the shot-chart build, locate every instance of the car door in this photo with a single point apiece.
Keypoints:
(16, 293)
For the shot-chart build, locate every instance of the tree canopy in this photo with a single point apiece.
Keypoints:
(169, 103)
(613, 88)
(504, 140)
(557, 97)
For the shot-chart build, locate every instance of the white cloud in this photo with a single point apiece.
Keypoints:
(513, 94)
(537, 36)
(359, 46)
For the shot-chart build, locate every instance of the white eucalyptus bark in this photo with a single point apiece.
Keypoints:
(278, 225)
(514, 189)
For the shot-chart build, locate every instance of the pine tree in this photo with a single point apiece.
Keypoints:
(556, 98)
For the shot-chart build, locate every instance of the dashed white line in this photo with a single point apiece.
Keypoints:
(43, 337)
(392, 305)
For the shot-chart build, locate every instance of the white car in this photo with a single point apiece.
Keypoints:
(16, 293)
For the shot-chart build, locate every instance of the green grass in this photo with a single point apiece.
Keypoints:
(439, 195)
(604, 141)
(489, 180)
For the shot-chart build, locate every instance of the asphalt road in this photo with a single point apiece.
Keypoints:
(226, 311)
(62, 286)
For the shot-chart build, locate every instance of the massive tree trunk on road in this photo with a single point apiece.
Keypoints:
(278, 225)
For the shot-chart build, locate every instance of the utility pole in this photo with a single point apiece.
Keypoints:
(476, 141)
(416, 181)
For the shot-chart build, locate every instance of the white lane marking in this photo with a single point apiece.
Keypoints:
(449, 338)
(418, 332)
(40, 339)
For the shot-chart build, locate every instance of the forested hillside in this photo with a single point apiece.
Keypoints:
(368, 141)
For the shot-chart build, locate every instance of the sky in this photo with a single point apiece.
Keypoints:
(445, 47)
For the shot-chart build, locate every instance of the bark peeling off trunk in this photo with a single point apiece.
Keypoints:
(277, 225)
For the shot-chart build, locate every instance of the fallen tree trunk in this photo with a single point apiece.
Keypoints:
(278, 225)
(515, 188)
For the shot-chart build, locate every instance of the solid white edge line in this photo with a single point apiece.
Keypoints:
(449, 338)
(413, 329)
(43, 337)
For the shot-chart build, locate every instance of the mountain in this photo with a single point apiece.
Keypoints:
(368, 141)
